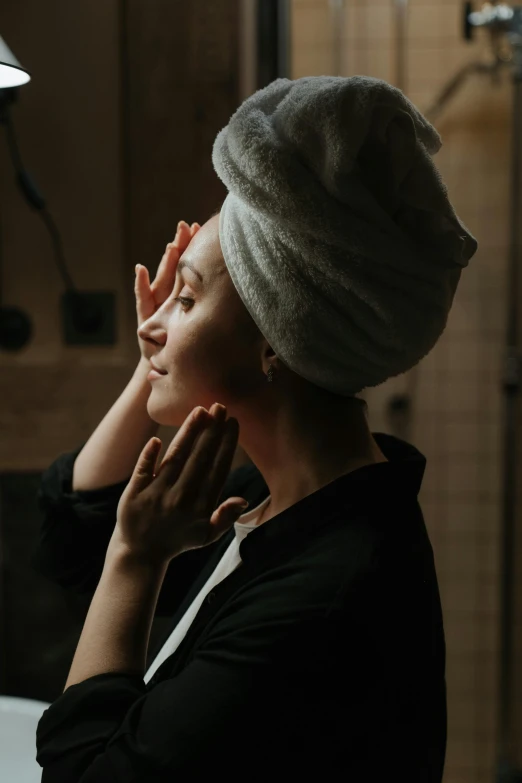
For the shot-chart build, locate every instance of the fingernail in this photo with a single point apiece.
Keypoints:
(136, 269)
(244, 505)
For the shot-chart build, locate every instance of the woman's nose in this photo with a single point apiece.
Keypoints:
(152, 332)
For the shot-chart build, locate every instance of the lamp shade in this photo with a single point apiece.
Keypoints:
(11, 72)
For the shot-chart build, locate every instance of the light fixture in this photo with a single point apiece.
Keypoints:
(11, 72)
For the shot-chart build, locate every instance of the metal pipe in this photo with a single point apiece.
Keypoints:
(247, 49)
(284, 42)
(400, 405)
(338, 26)
(503, 19)
(401, 26)
(511, 391)
(457, 81)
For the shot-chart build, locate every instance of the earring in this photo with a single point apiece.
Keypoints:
(271, 373)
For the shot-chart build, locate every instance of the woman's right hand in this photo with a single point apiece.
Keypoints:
(150, 297)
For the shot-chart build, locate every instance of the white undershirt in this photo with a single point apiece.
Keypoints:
(228, 563)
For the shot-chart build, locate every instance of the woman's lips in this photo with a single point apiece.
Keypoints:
(155, 374)
(157, 369)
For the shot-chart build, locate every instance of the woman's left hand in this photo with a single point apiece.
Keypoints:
(160, 515)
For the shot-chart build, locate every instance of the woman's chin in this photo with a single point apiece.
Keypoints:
(161, 414)
(165, 416)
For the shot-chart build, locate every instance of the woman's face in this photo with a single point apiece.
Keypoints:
(204, 338)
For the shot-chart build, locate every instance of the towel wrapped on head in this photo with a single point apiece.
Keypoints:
(337, 230)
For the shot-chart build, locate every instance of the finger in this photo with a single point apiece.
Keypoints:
(145, 468)
(183, 236)
(213, 459)
(173, 247)
(180, 447)
(167, 268)
(144, 299)
(231, 507)
(166, 274)
(224, 517)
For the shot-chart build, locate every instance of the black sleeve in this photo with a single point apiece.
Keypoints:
(111, 728)
(77, 527)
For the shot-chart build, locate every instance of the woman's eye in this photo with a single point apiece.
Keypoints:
(183, 300)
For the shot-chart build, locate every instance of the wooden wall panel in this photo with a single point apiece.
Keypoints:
(117, 128)
(181, 89)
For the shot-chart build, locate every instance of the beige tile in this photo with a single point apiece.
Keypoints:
(490, 475)
(460, 635)
(461, 395)
(461, 753)
(435, 362)
(368, 22)
(450, 21)
(458, 54)
(462, 518)
(380, 21)
(489, 518)
(461, 437)
(494, 228)
(316, 61)
(491, 364)
(462, 479)
(459, 774)
(445, 3)
(463, 319)
(375, 62)
(424, 22)
(486, 755)
(466, 594)
(491, 433)
(465, 439)
(487, 672)
(427, 399)
(349, 60)
(460, 719)
(435, 518)
(461, 674)
(420, 95)
(379, 63)
(463, 358)
(463, 556)
(432, 482)
(494, 314)
(424, 68)
(489, 594)
(312, 26)
(466, 196)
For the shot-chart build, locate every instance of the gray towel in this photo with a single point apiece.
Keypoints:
(337, 230)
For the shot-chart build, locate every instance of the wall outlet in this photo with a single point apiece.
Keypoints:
(88, 317)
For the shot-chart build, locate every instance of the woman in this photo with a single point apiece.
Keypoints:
(299, 436)
(314, 624)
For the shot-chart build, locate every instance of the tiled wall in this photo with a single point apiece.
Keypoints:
(458, 401)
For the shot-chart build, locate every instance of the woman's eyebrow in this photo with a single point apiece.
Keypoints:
(184, 263)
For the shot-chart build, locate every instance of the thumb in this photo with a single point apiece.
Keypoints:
(228, 513)
(145, 469)
(235, 505)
